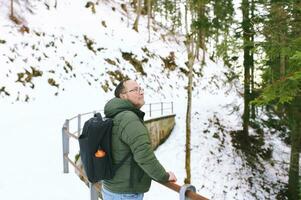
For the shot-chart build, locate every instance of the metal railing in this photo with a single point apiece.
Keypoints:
(185, 191)
(158, 108)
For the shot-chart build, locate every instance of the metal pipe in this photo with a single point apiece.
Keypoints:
(65, 140)
(93, 192)
(78, 124)
(71, 135)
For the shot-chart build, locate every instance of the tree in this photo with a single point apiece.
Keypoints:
(247, 62)
(252, 72)
(149, 6)
(223, 33)
(135, 26)
(190, 46)
(217, 20)
(282, 77)
(286, 94)
(11, 8)
(191, 55)
(201, 24)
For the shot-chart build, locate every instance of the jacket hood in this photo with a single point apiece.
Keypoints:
(117, 105)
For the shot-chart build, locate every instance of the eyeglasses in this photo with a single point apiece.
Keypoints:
(137, 90)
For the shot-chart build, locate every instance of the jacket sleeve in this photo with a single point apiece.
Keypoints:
(135, 134)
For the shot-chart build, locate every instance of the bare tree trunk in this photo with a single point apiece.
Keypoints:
(188, 131)
(253, 115)
(135, 26)
(191, 58)
(148, 18)
(198, 47)
(203, 47)
(247, 62)
(295, 125)
(201, 31)
(11, 8)
(145, 7)
(186, 19)
(191, 54)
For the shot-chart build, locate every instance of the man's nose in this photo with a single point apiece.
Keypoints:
(141, 90)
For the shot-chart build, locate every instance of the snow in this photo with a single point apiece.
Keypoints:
(31, 142)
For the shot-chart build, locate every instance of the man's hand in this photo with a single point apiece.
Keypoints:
(172, 177)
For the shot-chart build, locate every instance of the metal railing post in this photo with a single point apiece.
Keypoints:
(184, 189)
(78, 124)
(65, 140)
(171, 107)
(93, 192)
(150, 109)
(161, 108)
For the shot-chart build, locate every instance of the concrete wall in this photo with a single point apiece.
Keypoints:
(160, 128)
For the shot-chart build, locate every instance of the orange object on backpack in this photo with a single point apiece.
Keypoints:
(100, 153)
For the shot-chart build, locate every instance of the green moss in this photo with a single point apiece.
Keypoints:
(137, 64)
(105, 86)
(76, 157)
(52, 82)
(3, 90)
(91, 5)
(27, 76)
(169, 62)
(148, 53)
(111, 62)
(89, 44)
(117, 75)
(215, 135)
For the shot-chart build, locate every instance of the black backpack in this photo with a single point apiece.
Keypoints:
(95, 145)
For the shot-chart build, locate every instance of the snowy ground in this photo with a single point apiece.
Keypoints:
(31, 142)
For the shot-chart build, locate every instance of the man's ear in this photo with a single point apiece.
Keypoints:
(122, 96)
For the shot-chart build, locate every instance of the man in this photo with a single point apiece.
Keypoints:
(129, 134)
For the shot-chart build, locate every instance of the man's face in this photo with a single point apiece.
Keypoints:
(134, 93)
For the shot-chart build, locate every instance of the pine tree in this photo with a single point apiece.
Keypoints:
(247, 62)
(201, 25)
(282, 77)
(220, 30)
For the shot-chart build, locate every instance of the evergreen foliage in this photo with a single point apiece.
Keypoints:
(282, 91)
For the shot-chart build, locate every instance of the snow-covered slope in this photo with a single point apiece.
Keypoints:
(68, 62)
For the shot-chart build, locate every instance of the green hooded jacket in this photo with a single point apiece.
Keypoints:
(129, 134)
